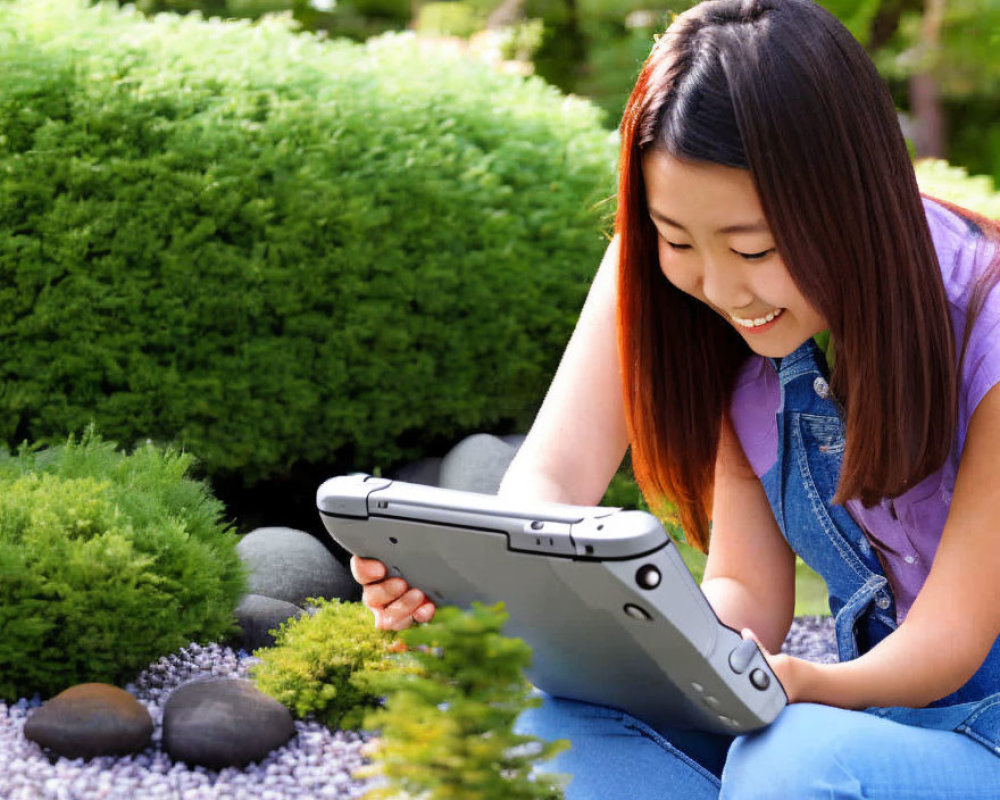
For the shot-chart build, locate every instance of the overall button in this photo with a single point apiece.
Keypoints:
(821, 387)
(882, 602)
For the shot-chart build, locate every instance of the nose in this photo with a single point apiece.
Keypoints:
(724, 287)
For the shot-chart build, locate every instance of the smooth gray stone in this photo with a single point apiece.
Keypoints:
(515, 440)
(89, 720)
(291, 565)
(258, 615)
(477, 464)
(426, 471)
(222, 723)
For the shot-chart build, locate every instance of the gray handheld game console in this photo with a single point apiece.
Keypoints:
(602, 596)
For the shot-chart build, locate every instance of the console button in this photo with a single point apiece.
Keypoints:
(636, 612)
(760, 679)
(741, 657)
(648, 576)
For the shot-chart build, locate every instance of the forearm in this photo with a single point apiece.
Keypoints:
(524, 483)
(911, 667)
(739, 608)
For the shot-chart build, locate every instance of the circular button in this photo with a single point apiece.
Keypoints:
(697, 687)
(821, 387)
(760, 679)
(711, 702)
(882, 602)
(537, 526)
(648, 576)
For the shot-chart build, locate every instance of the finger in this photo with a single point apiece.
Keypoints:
(379, 595)
(399, 615)
(367, 570)
(747, 633)
(425, 613)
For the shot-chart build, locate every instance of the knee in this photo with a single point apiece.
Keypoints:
(795, 757)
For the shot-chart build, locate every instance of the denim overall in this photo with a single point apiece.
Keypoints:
(800, 487)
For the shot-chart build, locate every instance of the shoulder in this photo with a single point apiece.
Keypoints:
(965, 256)
(963, 251)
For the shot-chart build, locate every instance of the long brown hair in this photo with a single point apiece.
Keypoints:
(782, 89)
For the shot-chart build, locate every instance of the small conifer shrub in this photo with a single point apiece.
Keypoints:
(318, 663)
(107, 562)
(446, 731)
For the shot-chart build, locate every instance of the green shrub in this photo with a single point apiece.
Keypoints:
(275, 250)
(446, 731)
(978, 193)
(107, 561)
(449, 18)
(319, 660)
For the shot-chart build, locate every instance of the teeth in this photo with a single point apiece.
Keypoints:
(753, 323)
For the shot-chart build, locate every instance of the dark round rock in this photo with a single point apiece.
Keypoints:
(476, 464)
(426, 471)
(293, 565)
(90, 720)
(257, 616)
(223, 723)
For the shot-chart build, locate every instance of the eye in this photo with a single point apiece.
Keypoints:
(754, 256)
(679, 246)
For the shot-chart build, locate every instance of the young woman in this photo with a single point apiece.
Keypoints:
(766, 196)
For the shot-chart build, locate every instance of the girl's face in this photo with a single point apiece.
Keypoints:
(714, 244)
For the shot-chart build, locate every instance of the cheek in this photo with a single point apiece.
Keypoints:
(682, 273)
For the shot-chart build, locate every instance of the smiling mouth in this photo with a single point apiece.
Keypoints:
(755, 323)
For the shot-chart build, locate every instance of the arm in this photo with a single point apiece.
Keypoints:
(956, 617)
(579, 436)
(750, 573)
(573, 449)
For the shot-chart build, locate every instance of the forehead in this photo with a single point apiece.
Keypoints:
(699, 194)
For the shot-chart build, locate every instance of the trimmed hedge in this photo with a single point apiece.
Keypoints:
(269, 249)
(107, 561)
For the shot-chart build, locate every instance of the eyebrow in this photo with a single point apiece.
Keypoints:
(760, 226)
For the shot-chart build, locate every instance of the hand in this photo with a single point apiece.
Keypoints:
(791, 672)
(395, 605)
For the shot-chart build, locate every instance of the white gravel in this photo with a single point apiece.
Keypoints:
(316, 763)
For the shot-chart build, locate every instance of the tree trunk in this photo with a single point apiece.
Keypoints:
(925, 98)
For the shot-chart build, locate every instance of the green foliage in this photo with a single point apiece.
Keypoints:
(320, 662)
(107, 561)
(237, 239)
(446, 730)
(978, 193)
(449, 18)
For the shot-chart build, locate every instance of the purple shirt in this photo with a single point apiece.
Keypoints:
(906, 542)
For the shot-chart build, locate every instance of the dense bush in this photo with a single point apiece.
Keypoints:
(318, 661)
(107, 561)
(270, 248)
(939, 179)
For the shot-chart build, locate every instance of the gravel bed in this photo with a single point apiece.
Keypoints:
(317, 763)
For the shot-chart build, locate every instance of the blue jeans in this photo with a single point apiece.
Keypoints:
(809, 751)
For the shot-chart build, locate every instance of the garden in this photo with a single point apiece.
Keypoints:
(244, 251)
